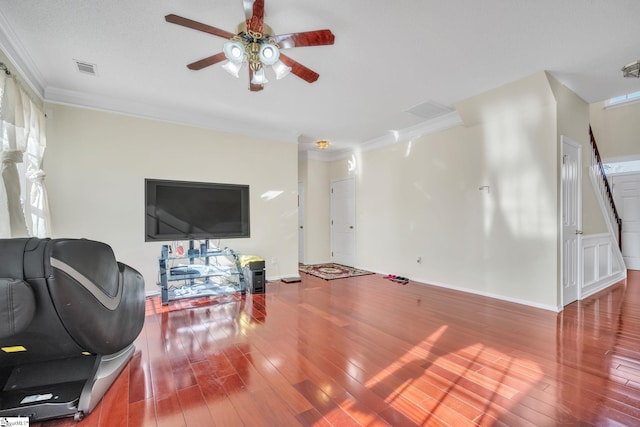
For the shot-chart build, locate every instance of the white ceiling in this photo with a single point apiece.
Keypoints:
(388, 56)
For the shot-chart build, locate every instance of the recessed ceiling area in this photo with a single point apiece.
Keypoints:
(393, 66)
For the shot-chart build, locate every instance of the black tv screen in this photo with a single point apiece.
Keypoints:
(182, 210)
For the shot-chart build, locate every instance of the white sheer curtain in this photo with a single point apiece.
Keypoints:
(24, 210)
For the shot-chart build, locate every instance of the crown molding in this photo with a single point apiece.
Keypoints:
(164, 114)
(20, 59)
(428, 127)
(25, 67)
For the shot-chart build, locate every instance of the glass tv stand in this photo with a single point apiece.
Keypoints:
(199, 272)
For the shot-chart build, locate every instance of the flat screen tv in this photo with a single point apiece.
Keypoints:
(182, 210)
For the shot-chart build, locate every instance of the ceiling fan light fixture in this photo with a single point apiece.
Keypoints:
(259, 77)
(281, 69)
(632, 70)
(233, 68)
(323, 144)
(255, 44)
(269, 54)
(234, 51)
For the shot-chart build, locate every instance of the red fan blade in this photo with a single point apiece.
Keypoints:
(253, 87)
(214, 59)
(185, 22)
(256, 23)
(300, 70)
(248, 9)
(308, 38)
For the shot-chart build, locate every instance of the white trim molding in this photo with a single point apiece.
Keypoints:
(601, 263)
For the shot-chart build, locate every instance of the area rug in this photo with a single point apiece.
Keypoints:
(332, 271)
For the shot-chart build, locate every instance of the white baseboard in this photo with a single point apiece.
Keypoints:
(555, 309)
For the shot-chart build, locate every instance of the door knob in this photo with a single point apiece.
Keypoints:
(578, 231)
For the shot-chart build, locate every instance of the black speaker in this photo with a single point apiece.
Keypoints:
(254, 277)
(256, 283)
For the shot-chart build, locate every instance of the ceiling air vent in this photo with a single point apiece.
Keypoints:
(429, 110)
(86, 68)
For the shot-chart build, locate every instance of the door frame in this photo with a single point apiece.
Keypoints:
(352, 219)
(578, 203)
(301, 230)
(617, 180)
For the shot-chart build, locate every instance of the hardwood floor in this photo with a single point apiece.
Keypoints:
(366, 351)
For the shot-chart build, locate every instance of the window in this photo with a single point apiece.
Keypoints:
(622, 167)
(623, 100)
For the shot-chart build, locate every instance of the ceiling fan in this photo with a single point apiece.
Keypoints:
(255, 44)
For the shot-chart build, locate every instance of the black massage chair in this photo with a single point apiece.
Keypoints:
(69, 314)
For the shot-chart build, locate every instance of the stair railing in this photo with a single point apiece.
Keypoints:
(603, 186)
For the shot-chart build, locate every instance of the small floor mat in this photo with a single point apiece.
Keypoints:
(332, 271)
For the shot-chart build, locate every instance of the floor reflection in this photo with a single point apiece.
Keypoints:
(596, 360)
(367, 352)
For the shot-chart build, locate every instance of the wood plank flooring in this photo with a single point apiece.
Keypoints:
(366, 351)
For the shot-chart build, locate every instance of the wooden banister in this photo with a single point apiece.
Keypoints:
(605, 182)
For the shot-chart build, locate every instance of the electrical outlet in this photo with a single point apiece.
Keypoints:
(274, 260)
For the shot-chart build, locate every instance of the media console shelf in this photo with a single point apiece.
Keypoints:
(199, 272)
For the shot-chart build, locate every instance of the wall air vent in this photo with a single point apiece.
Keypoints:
(429, 110)
(86, 67)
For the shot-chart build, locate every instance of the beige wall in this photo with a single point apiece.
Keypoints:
(573, 122)
(96, 163)
(421, 199)
(415, 199)
(617, 130)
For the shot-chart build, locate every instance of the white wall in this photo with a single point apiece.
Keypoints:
(96, 163)
(421, 199)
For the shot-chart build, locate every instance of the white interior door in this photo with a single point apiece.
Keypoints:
(301, 222)
(571, 193)
(626, 194)
(343, 220)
